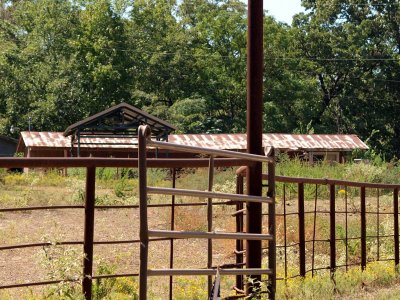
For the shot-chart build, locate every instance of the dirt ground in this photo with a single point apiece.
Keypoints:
(31, 264)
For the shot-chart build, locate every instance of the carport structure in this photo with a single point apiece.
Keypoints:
(119, 123)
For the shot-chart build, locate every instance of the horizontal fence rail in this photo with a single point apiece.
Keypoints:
(217, 195)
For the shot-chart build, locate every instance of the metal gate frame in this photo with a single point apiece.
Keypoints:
(146, 233)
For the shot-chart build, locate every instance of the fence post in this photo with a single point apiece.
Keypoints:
(363, 230)
(396, 225)
(302, 238)
(171, 245)
(272, 228)
(239, 228)
(332, 227)
(209, 220)
(144, 131)
(88, 233)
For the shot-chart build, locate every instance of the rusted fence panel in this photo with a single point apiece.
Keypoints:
(347, 204)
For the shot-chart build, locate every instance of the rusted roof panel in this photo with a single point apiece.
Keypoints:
(309, 142)
(58, 140)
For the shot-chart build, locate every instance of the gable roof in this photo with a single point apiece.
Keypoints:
(131, 113)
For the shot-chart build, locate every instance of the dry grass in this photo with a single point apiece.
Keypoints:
(25, 265)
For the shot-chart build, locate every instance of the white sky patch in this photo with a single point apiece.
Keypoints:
(283, 10)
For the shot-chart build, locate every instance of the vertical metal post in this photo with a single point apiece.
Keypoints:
(363, 230)
(314, 231)
(254, 128)
(377, 225)
(171, 249)
(88, 233)
(144, 132)
(302, 238)
(347, 230)
(79, 143)
(396, 225)
(332, 223)
(209, 220)
(272, 228)
(239, 228)
(285, 229)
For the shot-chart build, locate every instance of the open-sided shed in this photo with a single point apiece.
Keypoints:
(7, 146)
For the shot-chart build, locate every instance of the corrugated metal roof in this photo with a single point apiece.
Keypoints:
(309, 142)
(58, 140)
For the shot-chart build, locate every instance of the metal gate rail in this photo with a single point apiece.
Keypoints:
(146, 233)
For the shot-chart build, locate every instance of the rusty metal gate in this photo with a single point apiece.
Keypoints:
(239, 199)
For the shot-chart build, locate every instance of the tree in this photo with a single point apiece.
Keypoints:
(352, 50)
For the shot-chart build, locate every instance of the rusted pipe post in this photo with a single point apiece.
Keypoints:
(396, 225)
(239, 228)
(171, 249)
(363, 230)
(88, 233)
(302, 237)
(144, 132)
(254, 128)
(332, 223)
(209, 221)
(272, 228)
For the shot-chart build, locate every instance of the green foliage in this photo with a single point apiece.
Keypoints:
(334, 70)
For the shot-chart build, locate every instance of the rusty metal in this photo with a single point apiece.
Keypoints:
(346, 224)
(208, 151)
(44, 244)
(239, 228)
(396, 226)
(171, 249)
(285, 228)
(285, 142)
(84, 162)
(332, 226)
(102, 207)
(88, 233)
(272, 228)
(19, 285)
(209, 222)
(209, 235)
(326, 181)
(198, 272)
(377, 226)
(51, 207)
(203, 194)
(144, 132)
(254, 128)
(363, 230)
(307, 142)
(302, 238)
(314, 230)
